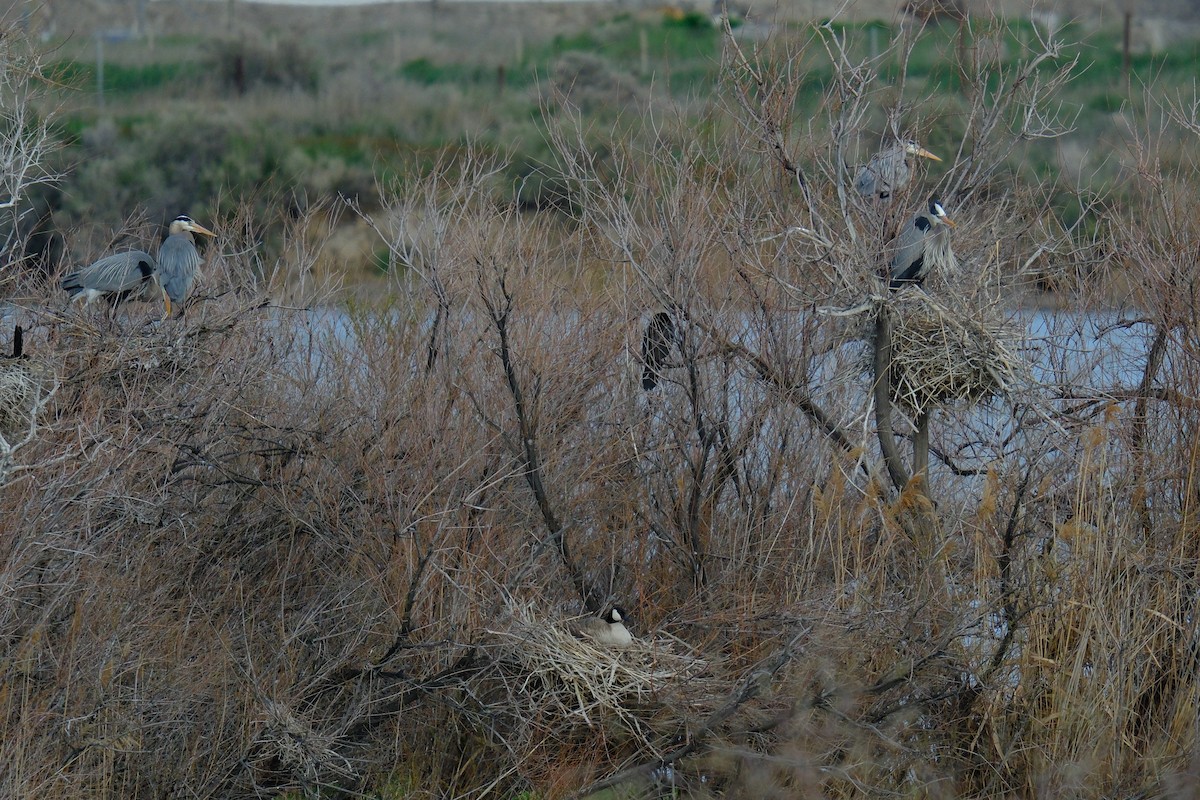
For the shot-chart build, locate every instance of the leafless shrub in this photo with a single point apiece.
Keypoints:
(936, 10)
(592, 83)
(26, 141)
(286, 743)
(284, 545)
(18, 396)
(246, 62)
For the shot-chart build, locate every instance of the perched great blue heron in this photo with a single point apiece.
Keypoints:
(135, 274)
(923, 246)
(889, 169)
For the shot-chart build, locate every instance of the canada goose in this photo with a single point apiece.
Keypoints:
(608, 630)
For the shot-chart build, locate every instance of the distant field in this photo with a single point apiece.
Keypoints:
(222, 101)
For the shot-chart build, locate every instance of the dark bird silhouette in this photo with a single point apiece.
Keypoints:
(656, 347)
(18, 345)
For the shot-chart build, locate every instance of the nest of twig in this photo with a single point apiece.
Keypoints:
(289, 745)
(20, 390)
(566, 681)
(941, 355)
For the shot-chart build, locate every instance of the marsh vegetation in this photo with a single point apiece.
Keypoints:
(300, 542)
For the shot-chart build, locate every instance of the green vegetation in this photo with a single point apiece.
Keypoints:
(160, 109)
(609, 70)
(131, 79)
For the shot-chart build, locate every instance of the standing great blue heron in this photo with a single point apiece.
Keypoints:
(889, 169)
(656, 346)
(135, 273)
(923, 246)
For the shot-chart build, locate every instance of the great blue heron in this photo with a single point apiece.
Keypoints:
(923, 246)
(608, 630)
(656, 346)
(135, 273)
(889, 169)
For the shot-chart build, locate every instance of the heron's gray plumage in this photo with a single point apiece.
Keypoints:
(136, 273)
(889, 169)
(923, 246)
(119, 275)
(178, 265)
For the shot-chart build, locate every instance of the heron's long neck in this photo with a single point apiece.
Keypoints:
(941, 253)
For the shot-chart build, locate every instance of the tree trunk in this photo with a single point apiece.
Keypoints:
(883, 399)
(921, 447)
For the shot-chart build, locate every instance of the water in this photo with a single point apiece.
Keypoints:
(342, 3)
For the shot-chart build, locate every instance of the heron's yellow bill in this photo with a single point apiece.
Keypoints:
(949, 222)
(923, 153)
(198, 228)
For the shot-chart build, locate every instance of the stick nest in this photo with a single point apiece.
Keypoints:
(940, 355)
(288, 744)
(568, 686)
(21, 387)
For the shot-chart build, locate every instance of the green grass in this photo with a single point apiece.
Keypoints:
(424, 71)
(677, 57)
(128, 79)
(667, 43)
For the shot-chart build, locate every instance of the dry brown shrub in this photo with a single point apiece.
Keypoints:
(281, 545)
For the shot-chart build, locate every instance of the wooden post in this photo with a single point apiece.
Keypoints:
(921, 448)
(1125, 44)
(966, 64)
(100, 70)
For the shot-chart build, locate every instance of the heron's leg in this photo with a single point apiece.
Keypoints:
(85, 296)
